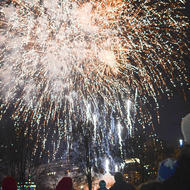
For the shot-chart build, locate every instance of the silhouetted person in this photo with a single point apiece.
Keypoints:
(152, 185)
(120, 183)
(181, 177)
(9, 183)
(65, 184)
(102, 185)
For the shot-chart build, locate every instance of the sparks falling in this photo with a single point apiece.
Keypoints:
(72, 61)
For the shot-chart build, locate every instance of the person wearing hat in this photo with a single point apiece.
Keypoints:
(9, 183)
(65, 183)
(185, 129)
(166, 169)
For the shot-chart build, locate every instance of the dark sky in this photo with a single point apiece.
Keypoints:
(172, 111)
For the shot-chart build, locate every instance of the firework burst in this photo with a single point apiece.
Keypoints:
(90, 61)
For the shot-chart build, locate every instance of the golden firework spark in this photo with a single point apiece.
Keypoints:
(75, 61)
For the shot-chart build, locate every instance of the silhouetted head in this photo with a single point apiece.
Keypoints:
(153, 185)
(102, 184)
(118, 177)
(9, 183)
(65, 184)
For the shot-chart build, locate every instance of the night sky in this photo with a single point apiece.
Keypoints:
(172, 111)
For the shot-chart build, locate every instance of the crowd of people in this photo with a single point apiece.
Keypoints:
(173, 174)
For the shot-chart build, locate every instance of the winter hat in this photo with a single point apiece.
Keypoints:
(167, 169)
(65, 184)
(9, 183)
(102, 184)
(185, 128)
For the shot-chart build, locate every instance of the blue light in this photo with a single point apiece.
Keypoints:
(181, 142)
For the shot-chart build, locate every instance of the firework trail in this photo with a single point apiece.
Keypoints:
(90, 61)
